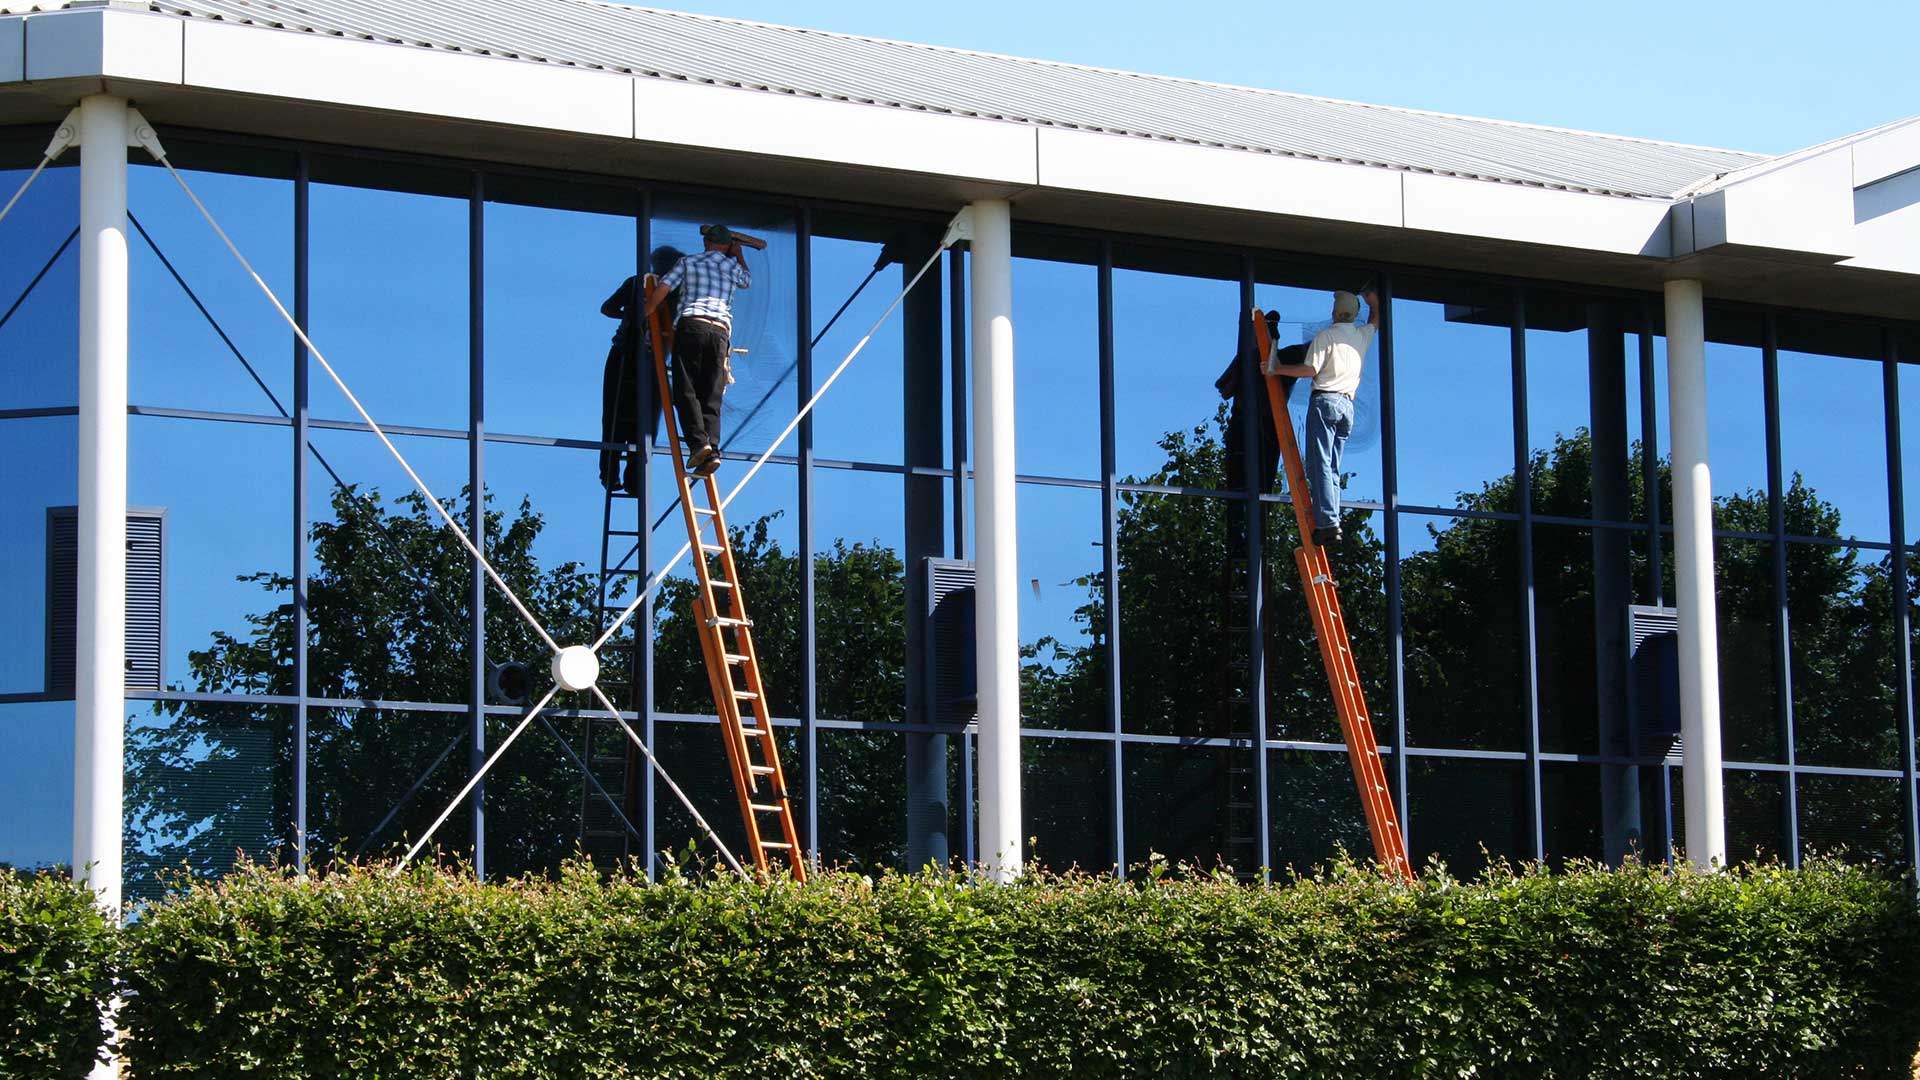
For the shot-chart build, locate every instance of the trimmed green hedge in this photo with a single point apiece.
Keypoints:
(56, 970)
(1591, 973)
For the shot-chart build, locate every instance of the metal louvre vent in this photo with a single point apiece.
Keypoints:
(1653, 635)
(146, 599)
(952, 684)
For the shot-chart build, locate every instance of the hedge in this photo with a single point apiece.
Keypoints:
(1643, 972)
(56, 969)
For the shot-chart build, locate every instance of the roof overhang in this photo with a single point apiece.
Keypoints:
(1741, 237)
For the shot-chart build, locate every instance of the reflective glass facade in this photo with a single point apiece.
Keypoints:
(327, 650)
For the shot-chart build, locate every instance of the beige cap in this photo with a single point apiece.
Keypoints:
(1345, 303)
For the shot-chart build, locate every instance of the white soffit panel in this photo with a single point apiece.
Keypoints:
(781, 125)
(92, 43)
(1208, 176)
(13, 50)
(1536, 215)
(1886, 233)
(356, 73)
(1800, 208)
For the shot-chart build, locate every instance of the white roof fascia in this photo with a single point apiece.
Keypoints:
(102, 42)
(1238, 179)
(847, 133)
(1887, 224)
(336, 71)
(1799, 210)
(1568, 219)
(13, 50)
(1886, 152)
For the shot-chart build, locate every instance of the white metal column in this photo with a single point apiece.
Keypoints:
(99, 706)
(1706, 823)
(997, 581)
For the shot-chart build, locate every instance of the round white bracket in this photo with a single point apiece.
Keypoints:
(575, 667)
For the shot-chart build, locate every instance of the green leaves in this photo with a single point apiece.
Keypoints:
(1754, 972)
(56, 968)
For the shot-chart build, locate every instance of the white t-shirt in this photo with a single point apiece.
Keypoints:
(1337, 354)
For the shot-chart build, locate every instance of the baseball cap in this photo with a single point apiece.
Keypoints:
(716, 234)
(1345, 303)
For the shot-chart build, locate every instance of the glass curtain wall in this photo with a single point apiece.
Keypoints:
(333, 671)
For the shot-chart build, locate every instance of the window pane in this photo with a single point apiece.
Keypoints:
(1570, 811)
(387, 584)
(1749, 691)
(394, 328)
(860, 587)
(42, 473)
(1056, 372)
(1461, 620)
(553, 255)
(1063, 610)
(1568, 683)
(36, 783)
(40, 340)
(1185, 622)
(1314, 810)
(863, 799)
(864, 416)
(208, 785)
(227, 492)
(1737, 435)
(1856, 817)
(1756, 804)
(177, 356)
(362, 768)
(1453, 389)
(1173, 334)
(1841, 617)
(1459, 807)
(1067, 802)
(1833, 447)
(1179, 807)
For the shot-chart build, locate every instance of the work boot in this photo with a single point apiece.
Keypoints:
(1326, 535)
(711, 464)
(702, 454)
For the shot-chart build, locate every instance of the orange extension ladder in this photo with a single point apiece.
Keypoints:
(726, 640)
(1336, 651)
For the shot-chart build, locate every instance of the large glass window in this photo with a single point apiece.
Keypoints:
(1176, 327)
(39, 288)
(1836, 473)
(1056, 373)
(1453, 394)
(1464, 655)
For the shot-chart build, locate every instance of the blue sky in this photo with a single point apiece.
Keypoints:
(1762, 75)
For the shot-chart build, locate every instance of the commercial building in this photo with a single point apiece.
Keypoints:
(1614, 375)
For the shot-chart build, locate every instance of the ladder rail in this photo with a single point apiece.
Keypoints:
(1330, 630)
(712, 628)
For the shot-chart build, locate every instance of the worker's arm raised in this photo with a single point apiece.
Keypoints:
(751, 241)
(1373, 307)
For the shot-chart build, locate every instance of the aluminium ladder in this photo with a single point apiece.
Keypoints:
(1330, 628)
(726, 642)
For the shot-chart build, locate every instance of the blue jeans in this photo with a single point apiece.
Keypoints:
(1329, 422)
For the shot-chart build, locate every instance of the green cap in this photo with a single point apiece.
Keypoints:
(716, 234)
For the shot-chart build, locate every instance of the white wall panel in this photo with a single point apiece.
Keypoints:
(121, 44)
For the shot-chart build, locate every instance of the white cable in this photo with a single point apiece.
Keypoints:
(31, 177)
(686, 548)
(475, 782)
(465, 540)
(675, 788)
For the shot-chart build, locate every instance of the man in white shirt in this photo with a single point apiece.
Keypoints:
(1333, 362)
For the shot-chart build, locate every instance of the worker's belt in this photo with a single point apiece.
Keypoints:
(1333, 393)
(709, 322)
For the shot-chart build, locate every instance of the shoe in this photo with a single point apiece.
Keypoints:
(1324, 537)
(698, 459)
(711, 465)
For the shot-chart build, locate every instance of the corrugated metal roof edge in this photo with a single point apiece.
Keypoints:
(1294, 95)
(159, 7)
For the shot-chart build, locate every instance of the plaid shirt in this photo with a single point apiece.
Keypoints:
(706, 281)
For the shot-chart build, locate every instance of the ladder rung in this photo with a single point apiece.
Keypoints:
(746, 695)
(762, 770)
(723, 620)
(718, 583)
(779, 844)
(767, 808)
(704, 511)
(711, 549)
(735, 658)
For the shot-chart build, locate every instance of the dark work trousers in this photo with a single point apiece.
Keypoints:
(699, 379)
(623, 410)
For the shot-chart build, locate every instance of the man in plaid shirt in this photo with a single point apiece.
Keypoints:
(703, 335)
